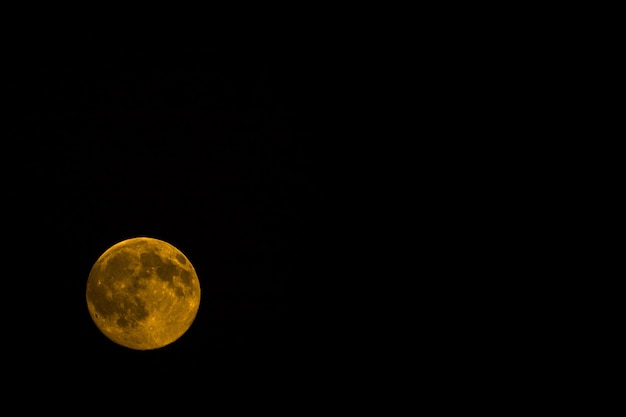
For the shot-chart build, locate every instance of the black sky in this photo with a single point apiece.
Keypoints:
(215, 159)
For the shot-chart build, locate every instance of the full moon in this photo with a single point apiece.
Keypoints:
(143, 293)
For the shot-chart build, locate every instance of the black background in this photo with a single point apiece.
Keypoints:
(218, 159)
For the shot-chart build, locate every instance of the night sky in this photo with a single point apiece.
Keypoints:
(215, 159)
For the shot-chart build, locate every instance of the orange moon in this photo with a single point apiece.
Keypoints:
(143, 293)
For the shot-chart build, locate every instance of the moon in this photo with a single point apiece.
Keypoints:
(143, 293)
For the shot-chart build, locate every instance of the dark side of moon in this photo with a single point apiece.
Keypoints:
(143, 293)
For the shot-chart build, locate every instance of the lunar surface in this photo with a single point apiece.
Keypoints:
(143, 293)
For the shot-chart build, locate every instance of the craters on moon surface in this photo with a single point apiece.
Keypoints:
(143, 293)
